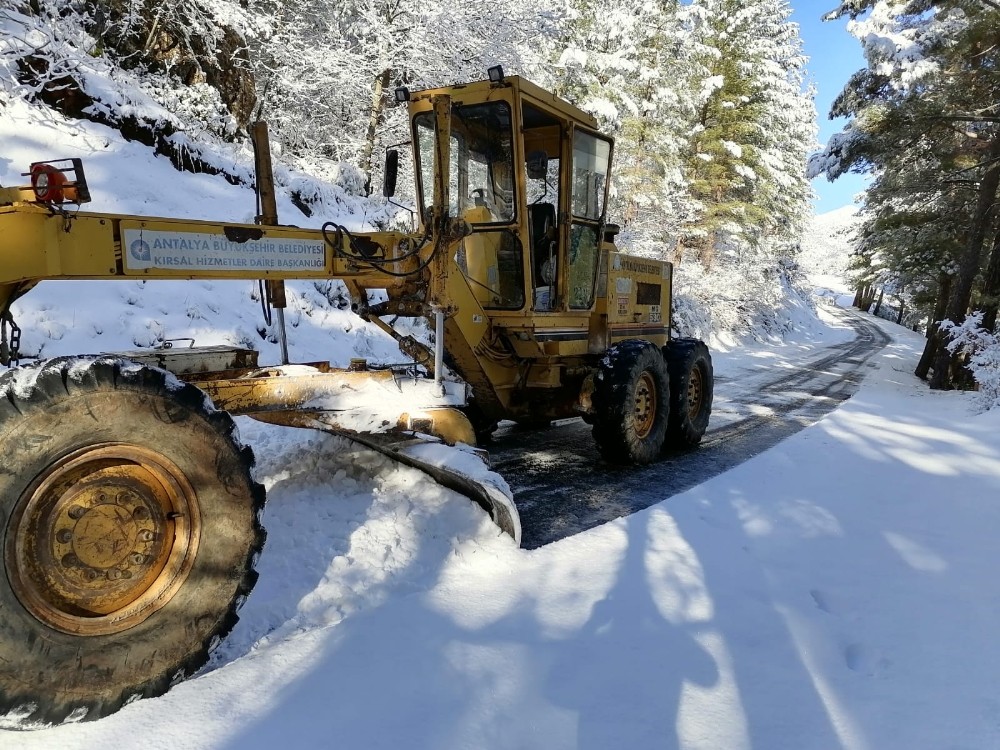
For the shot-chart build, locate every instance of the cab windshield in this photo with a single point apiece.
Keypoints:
(480, 173)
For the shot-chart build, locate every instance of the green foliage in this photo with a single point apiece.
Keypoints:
(745, 167)
(922, 117)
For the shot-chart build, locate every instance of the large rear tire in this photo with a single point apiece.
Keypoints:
(129, 526)
(631, 403)
(691, 391)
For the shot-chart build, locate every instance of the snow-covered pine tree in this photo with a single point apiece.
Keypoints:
(633, 64)
(750, 142)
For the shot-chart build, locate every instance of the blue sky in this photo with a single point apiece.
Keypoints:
(834, 56)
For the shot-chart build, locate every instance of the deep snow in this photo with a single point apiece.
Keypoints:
(836, 591)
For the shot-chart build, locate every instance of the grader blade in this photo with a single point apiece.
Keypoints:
(414, 421)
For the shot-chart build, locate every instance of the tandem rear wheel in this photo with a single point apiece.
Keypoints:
(647, 401)
(631, 403)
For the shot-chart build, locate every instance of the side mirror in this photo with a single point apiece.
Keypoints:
(537, 165)
(391, 173)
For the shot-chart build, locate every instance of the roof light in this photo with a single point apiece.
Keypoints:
(495, 73)
(402, 94)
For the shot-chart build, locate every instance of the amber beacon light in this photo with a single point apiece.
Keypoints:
(59, 181)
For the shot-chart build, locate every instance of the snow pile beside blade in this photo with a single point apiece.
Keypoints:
(459, 468)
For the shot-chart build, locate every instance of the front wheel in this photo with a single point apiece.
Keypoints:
(483, 425)
(631, 403)
(691, 388)
(129, 524)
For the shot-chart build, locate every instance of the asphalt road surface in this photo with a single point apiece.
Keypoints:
(562, 487)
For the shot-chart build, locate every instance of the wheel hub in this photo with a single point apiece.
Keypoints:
(102, 539)
(695, 393)
(644, 414)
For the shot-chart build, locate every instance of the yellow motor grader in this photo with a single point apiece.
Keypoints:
(129, 519)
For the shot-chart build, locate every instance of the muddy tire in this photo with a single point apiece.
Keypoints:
(631, 403)
(483, 425)
(691, 390)
(129, 526)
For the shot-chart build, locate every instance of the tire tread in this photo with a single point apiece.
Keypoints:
(621, 366)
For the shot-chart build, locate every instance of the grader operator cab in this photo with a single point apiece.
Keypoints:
(129, 519)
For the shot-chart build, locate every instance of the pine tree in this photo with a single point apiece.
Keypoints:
(749, 144)
(625, 61)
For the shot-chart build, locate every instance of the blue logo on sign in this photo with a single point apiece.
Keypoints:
(139, 250)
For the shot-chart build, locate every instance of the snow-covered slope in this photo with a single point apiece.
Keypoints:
(826, 244)
(826, 248)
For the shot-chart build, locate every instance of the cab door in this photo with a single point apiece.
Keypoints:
(543, 180)
(591, 159)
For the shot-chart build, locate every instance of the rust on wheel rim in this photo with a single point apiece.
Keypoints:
(644, 415)
(695, 393)
(102, 539)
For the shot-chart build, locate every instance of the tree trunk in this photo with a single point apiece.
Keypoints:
(707, 254)
(869, 299)
(859, 296)
(991, 287)
(944, 291)
(969, 262)
(878, 305)
(899, 318)
(864, 298)
(374, 116)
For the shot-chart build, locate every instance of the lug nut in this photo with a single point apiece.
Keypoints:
(114, 574)
(77, 512)
(64, 536)
(90, 574)
(137, 558)
(70, 560)
(145, 535)
(140, 514)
